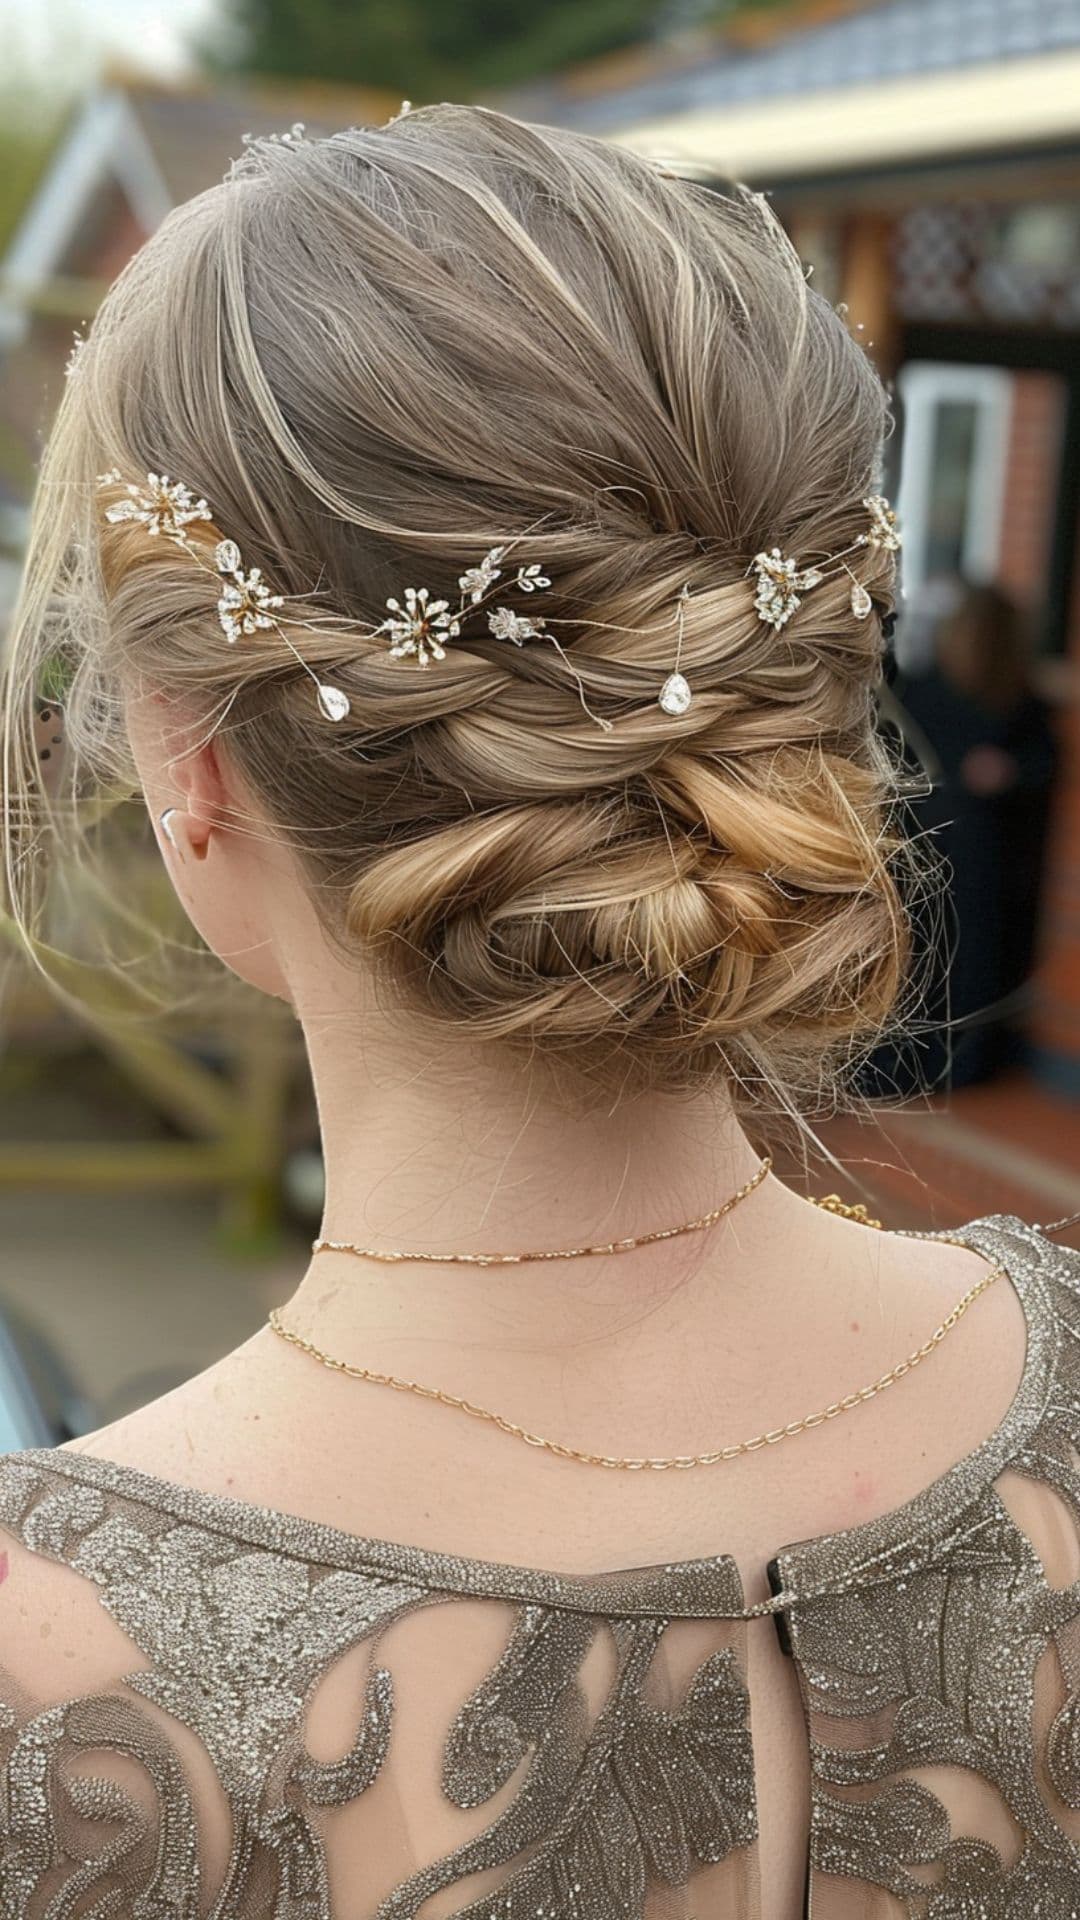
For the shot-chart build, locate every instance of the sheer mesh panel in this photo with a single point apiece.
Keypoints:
(264, 1731)
(938, 1651)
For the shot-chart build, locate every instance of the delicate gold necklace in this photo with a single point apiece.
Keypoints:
(831, 1204)
(559, 1253)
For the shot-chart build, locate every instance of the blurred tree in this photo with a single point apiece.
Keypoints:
(427, 49)
(26, 141)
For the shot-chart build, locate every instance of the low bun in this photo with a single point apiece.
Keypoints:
(657, 933)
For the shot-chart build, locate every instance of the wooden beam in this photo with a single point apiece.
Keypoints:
(867, 287)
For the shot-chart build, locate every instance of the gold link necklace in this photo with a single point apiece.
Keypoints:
(559, 1253)
(771, 1437)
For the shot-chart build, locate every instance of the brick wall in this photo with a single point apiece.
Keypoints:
(1056, 1020)
(1031, 482)
(121, 237)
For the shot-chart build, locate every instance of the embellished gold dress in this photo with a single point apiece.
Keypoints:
(276, 1720)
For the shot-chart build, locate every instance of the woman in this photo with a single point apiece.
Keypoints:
(574, 864)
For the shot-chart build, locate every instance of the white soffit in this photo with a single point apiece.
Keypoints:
(1015, 103)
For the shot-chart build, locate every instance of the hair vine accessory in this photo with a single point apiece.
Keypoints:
(163, 506)
(884, 525)
(781, 582)
(166, 509)
(420, 627)
(296, 136)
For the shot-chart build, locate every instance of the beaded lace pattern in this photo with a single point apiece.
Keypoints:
(930, 1645)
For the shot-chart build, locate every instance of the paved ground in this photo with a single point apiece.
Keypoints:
(136, 1291)
(1008, 1147)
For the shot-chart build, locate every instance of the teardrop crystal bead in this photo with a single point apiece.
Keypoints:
(861, 602)
(333, 704)
(675, 695)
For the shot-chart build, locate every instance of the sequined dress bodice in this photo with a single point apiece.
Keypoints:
(275, 1720)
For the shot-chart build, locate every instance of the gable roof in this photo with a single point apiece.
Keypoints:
(194, 131)
(160, 144)
(149, 146)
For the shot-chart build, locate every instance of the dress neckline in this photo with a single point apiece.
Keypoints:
(709, 1585)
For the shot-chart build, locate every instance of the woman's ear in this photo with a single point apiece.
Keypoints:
(203, 790)
(178, 765)
(231, 873)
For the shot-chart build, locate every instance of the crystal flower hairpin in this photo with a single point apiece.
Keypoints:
(167, 509)
(420, 627)
(781, 582)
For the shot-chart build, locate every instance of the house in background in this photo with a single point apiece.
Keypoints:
(132, 150)
(207, 1105)
(924, 155)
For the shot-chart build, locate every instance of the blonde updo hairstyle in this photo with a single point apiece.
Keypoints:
(381, 354)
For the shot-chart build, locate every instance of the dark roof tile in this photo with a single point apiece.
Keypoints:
(891, 41)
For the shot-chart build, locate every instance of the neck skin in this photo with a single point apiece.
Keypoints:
(448, 1148)
(434, 1145)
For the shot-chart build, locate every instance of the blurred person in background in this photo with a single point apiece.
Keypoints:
(988, 745)
(463, 535)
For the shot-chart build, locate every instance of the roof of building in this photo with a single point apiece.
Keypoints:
(150, 146)
(889, 41)
(194, 131)
(162, 144)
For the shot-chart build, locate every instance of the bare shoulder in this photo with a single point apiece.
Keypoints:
(942, 1330)
(56, 1640)
(824, 1308)
(180, 1435)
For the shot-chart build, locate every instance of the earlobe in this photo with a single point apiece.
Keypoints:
(185, 833)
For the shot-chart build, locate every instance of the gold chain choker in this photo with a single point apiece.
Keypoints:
(396, 1255)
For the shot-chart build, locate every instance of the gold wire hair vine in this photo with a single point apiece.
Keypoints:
(418, 627)
(421, 627)
(675, 695)
(781, 582)
(246, 604)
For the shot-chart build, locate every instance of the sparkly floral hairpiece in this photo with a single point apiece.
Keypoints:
(167, 509)
(781, 582)
(422, 626)
(419, 627)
